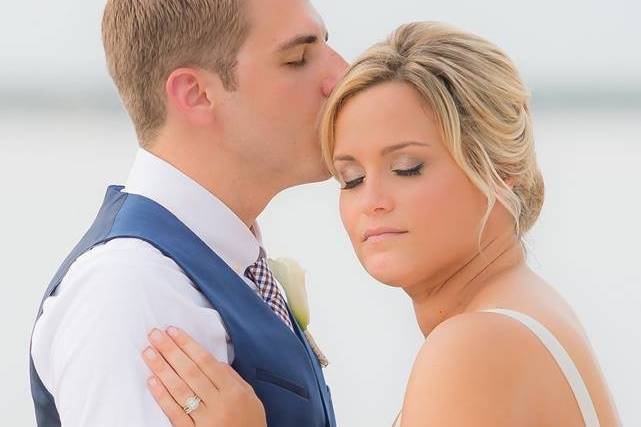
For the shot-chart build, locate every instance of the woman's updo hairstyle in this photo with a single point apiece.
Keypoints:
(479, 101)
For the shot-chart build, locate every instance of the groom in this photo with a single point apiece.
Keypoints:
(224, 96)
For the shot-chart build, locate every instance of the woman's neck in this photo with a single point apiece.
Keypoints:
(438, 299)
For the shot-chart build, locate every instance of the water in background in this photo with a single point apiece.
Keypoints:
(56, 164)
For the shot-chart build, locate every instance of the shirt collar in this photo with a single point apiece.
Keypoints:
(202, 212)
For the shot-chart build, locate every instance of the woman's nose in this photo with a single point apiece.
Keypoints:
(376, 199)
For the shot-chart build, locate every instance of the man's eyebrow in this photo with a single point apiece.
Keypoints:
(300, 40)
(345, 158)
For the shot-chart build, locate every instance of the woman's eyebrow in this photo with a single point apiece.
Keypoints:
(384, 151)
(402, 145)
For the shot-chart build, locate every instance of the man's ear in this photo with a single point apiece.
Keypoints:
(187, 92)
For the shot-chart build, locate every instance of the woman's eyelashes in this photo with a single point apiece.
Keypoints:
(416, 170)
(354, 181)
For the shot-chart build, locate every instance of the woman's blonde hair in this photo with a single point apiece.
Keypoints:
(478, 99)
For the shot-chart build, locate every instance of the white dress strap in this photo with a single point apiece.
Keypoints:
(564, 361)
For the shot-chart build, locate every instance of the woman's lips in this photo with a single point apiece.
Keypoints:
(382, 233)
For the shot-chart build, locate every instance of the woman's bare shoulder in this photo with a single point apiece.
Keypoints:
(471, 370)
(475, 340)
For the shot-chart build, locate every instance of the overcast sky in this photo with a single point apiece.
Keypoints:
(589, 45)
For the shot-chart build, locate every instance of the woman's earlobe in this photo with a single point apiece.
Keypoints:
(510, 182)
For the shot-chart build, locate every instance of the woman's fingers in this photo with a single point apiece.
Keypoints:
(177, 388)
(231, 402)
(220, 374)
(182, 365)
(172, 410)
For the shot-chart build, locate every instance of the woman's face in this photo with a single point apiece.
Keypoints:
(410, 211)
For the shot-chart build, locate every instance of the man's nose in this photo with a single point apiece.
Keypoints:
(338, 68)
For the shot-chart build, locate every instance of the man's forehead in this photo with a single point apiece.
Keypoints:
(282, 20)
(319, 19)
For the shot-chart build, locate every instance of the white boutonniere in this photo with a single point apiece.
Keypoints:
(292, 277)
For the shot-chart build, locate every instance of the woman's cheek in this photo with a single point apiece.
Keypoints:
(348, 216)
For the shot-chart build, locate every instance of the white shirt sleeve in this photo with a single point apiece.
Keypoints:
(87, 344)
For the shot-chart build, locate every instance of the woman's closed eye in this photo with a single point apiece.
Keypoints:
(347, 185)
(413, 171)
(352, 176)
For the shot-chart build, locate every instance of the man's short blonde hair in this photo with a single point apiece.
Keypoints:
(146, 40)
(480, 103)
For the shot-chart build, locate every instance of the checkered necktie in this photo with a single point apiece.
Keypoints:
(268, 289)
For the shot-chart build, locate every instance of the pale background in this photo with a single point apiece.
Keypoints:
(63, 138)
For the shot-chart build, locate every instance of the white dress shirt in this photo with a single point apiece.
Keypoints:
(86, 346)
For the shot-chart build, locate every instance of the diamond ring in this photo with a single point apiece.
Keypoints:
(191, 404)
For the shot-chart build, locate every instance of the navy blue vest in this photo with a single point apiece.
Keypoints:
(279, 364)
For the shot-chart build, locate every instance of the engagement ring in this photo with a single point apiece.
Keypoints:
(191, 404)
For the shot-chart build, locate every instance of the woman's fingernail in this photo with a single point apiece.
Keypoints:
(153, 382)
(150, 353)
(156, 336)
(172, 331)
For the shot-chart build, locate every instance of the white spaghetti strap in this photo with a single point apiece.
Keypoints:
(564, 361)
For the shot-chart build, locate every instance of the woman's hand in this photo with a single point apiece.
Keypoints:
(183, 369)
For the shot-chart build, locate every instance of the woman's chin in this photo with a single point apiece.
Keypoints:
(386, 271)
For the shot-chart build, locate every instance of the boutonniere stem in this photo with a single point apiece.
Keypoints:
(292, 277)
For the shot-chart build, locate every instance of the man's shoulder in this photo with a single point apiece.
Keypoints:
(121, 281)
(110, 299)
(123, 251)
(92, 332)
(122, 264)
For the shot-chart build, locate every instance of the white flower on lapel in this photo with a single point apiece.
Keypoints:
(292, 277)
(290, 274)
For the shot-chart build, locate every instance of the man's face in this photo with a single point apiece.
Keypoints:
(285, 72)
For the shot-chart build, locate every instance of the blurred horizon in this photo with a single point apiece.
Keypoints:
(578, 54)
(107, 99)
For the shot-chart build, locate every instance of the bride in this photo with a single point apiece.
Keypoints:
(430, 136)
